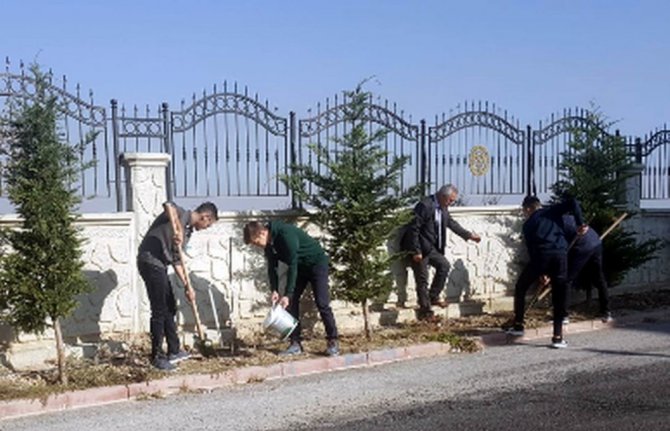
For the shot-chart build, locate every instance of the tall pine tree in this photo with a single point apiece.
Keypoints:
(594, 170)
(41, 276)
(359, 203)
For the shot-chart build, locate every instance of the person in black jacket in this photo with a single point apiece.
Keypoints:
(424, 240)
(547, 248)
(585, 263)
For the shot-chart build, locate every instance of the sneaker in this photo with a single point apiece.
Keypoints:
(439, 303)
(175, 358)
(333, 348)
(515, 331)
(162, 364)
(558, 343)
(294, 348)
(566, 320)
(606, 317)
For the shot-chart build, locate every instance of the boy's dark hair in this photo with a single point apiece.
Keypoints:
(208, 208)
(531, 202)
(252, 229)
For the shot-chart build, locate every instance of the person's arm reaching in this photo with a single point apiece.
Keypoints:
(460, 230)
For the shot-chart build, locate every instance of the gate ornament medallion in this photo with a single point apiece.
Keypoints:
(479, 161)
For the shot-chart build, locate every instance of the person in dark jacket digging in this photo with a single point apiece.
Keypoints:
(585, 263)
(425, 239)
(307, 263)
(158, 249)
(547, 248)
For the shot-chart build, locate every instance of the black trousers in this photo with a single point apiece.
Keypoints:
(317, 277)
(163, 308)
(555, 266)
(420, 269)
(587, 268)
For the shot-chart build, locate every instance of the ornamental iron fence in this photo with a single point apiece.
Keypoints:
(228, 143)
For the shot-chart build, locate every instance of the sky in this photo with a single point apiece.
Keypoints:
(531, 58)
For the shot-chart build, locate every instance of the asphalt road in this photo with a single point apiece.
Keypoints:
(614, 379)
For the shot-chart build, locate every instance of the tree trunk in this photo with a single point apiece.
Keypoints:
(366, 320)
(60, 351)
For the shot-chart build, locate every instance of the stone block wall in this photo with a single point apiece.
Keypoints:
(230, 278)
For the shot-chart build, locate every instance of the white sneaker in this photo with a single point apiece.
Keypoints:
(515, 331)
(558, 343)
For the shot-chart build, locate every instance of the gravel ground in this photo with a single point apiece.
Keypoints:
(610, 379)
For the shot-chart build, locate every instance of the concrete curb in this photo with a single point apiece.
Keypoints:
(501, 339)
(207, 382)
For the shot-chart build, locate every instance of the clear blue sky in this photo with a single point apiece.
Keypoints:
(529, 57)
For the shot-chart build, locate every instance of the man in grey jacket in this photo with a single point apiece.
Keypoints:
(425, 239)
(158, 249)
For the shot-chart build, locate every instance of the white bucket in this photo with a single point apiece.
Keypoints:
(280, 321)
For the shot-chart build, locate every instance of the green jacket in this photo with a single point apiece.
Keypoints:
(291, 245)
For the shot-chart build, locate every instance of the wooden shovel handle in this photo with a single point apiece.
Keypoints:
(615, 224)
(176, 228)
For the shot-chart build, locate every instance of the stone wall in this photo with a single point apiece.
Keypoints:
(230, 278)
(650, 224)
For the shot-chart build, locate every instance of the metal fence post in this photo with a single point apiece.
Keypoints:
(425, 174)
(289, 170)
(117, 155)
(167, 148)
(530, 165)
(638, 150)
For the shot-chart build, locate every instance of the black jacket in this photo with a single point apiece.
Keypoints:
(584, 244)
(158, 247)
(543, 231)
(422, 234)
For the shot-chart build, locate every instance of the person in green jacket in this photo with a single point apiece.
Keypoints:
(307, 263)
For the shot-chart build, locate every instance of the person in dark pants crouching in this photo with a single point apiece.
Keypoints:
(307, 263)
(424, 240)
(158, 249)
(585, 263)
(547, 247)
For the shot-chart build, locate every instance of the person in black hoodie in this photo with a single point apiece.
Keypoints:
(585, 263)
(424, 240)
(547, 248)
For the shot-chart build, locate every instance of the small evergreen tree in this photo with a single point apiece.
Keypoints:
(41, 275)
(593, 171)
(359, 203)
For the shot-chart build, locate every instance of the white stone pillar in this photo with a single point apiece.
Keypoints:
(632, 192)
(146, 192)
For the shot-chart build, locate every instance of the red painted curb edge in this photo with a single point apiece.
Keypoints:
(198, 382)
